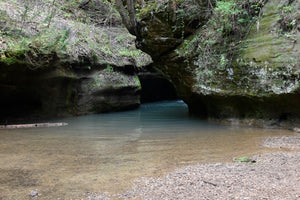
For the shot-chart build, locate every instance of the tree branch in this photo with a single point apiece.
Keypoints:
(128, 20)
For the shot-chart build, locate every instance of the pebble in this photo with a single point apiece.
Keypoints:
(34, 193)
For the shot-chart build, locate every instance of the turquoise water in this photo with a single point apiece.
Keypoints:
(106, 152)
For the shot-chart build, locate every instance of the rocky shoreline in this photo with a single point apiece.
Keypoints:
(273, 176)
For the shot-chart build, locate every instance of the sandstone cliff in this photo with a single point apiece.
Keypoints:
(229, 59)
(61, 58)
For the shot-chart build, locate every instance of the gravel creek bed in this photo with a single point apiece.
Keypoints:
(273, 176)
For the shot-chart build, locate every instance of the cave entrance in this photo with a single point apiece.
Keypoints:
(155, 87)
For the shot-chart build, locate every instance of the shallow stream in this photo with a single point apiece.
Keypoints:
(106, 152)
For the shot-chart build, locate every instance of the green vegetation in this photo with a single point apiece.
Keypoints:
(228, 25)
(245, 159)
(289, 18)
(109, 69)
(215, 46)
(37, 51)
(37, 33)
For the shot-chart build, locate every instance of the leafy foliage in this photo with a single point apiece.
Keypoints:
(234, 15)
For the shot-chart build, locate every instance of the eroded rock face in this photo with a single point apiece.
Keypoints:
(106, 91)
(80, 61)
(164, 26)
(263, 79)
(25, 92)
(256, 76)
(64, 92)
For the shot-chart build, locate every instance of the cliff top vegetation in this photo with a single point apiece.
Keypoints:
(38, 32)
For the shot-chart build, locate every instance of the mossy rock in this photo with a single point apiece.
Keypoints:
(253, 77)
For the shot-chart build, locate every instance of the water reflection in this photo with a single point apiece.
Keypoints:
(105, 152)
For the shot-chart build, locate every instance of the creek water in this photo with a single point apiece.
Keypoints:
(106, 152)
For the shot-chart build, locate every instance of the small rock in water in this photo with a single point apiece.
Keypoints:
(34, 193)
(296, 130)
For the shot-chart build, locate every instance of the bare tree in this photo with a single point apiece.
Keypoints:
(128, 16)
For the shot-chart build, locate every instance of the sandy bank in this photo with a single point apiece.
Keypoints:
(273, 176)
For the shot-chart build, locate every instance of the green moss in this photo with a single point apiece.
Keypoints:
(9, 60)
(62, 72)
(137, 82)
(144, 12)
